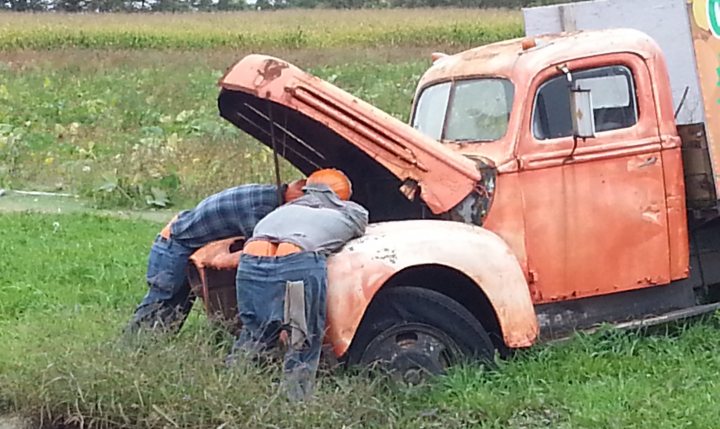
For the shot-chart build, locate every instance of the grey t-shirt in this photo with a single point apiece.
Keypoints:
(318, 221)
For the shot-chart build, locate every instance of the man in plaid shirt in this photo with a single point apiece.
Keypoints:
(229, 213)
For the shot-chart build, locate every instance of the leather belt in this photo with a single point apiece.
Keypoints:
(262, 247)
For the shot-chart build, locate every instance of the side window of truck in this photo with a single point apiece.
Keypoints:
(613, 97)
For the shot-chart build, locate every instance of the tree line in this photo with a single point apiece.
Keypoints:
(229, 5)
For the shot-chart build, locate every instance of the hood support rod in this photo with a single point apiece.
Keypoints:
(276, 160)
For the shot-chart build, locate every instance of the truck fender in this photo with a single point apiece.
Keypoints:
(366, 264)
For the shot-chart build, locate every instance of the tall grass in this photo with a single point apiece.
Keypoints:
(121, 108)
(122, 135)
(70, 282)
(259, 30)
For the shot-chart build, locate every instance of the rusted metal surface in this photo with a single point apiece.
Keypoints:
(561, 271)
(507, 59)
(570, 218)
(444, 177)
(558, 318)
(212, 277)
(688, 33)
(613, 239)
(357, 272)
(365, 264)
(698, 167)
(221, 254)
(505, 217)
(678, 234)
(705, 21)
(596, 216)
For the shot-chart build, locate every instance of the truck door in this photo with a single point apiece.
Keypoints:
(596, 218)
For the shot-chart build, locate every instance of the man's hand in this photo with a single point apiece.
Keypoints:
(167, 230)
(294, 190)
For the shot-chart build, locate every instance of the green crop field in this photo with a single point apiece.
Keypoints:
(121, 110)
(260, 30)
(112, 131)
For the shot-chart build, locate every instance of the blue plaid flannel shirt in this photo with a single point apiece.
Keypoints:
(229, 213)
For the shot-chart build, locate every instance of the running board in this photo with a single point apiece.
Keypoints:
(684, 313)
(672, 316)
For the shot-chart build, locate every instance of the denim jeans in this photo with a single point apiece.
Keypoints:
(262, 284)
(169, 299)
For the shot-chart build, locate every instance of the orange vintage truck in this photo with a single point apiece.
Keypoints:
(544, 184)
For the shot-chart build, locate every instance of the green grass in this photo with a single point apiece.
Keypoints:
(70, 282)
(258, 30)
(117, 132)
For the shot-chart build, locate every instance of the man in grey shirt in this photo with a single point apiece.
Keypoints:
(282, 276)
(316, 222)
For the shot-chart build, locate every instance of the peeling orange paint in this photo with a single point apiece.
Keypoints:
(445, 178)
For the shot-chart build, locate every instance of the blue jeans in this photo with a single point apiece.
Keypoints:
(169, 299)
(262, 285)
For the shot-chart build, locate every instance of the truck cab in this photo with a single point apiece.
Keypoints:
(615, 198)
(543, 185)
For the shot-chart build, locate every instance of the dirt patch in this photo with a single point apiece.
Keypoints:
(11, 422)
(12, 202)
(92, 60)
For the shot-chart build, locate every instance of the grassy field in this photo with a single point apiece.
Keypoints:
(121, 108)
(113, 130)
(73, 280)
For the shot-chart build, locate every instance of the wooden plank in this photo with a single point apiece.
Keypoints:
(672, 316)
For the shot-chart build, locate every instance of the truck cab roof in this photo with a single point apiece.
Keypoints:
(509, 59)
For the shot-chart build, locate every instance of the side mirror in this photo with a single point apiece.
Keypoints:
(581, 109)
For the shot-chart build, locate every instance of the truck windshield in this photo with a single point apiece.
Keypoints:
(465, 110)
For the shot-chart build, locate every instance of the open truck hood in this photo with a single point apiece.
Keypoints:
(319, 125)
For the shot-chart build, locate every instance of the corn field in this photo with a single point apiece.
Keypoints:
(258, 30)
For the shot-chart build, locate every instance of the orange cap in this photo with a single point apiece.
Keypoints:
(335, 179)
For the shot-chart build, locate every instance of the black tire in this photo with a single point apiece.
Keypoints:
(411, 332)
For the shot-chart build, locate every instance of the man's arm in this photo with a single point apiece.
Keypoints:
(358, 215)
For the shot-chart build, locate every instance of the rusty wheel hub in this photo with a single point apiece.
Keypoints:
(411, 352)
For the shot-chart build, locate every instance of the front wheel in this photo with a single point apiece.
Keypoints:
(412, 332)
